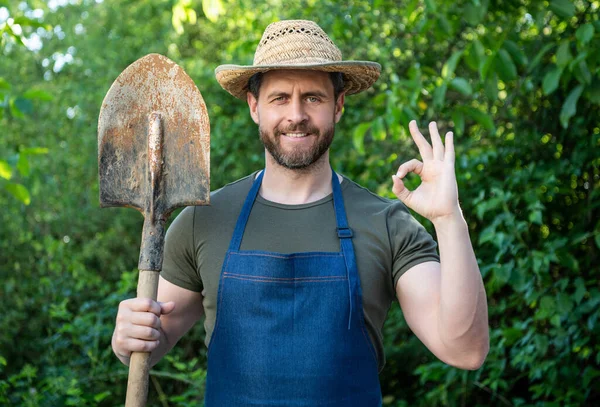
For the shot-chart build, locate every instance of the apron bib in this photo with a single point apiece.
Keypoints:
(290, 328)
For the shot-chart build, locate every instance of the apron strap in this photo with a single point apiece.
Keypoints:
(345, 235)
(238, 233)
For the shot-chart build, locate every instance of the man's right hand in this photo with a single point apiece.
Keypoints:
(138, 326)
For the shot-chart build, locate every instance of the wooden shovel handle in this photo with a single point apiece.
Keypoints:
(139, 363)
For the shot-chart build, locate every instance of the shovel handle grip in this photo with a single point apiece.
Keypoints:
(139, 363)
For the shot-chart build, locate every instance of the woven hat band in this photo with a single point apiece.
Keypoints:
(295, 42)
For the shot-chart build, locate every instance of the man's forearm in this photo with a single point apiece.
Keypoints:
(463, 316)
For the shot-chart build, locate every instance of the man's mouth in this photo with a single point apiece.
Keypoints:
(295, 135)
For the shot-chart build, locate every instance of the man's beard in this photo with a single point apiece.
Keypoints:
(299, 158)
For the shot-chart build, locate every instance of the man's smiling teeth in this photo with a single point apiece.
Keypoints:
(295, 135)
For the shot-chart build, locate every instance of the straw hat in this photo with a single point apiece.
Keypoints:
(297, 44)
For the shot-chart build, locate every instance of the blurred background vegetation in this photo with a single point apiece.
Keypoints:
(517, 80)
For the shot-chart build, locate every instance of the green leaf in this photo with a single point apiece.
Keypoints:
(474, 14)
(37, 94)
(516, 53)
(461, 85)
(505, 66)
(458, 118)
(580, 290)
(585, 33)
(582, 73)
(450, 65)
(481, 118)
(563, 54)
(580, 57)
(378, 129)
(476, 55)
(34, 150)
(597, 240)
(563, 8)
(564, 304)
(551, 80)
(538, 58)
(491, 87)
(484, 69)
(536, 217)
(431, 5)
(212, 9)
(23, 165)
(19, 192)
(439, 95)
(4, 84)
(14, 109)
(5, 170)
(569, 108)
(358, 138)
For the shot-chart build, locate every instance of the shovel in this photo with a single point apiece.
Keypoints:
(153, 155)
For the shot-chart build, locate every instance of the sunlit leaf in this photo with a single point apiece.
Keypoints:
(450, 65)
(358, 137)
(34, 150)
(569, 108)
(212, 9)
(551, 80)
(5, 170)
(38, 94)
(4, 84)
(19, 192)
(23, 165)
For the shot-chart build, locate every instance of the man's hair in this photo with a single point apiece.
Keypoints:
(337, 79)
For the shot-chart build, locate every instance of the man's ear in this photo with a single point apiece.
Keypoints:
(253, 105)
(339, 106)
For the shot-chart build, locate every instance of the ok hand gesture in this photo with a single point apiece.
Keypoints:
(436, 198)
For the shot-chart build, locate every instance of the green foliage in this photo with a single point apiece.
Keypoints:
(518, 82)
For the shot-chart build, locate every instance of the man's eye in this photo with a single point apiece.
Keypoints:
(312, 99)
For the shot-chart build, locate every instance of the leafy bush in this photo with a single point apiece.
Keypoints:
(518, 81)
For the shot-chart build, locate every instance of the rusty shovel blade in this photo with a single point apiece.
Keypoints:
(153, 84)
(153, 155)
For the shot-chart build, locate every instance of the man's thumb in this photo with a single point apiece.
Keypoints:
(166, 307)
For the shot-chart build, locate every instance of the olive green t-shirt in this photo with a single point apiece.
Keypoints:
(387, 242)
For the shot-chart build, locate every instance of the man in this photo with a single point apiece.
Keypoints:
(295, 267)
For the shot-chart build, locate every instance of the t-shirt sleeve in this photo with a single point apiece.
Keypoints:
(411, 243)
(179, 261)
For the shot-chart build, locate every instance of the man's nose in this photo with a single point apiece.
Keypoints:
(297, 112)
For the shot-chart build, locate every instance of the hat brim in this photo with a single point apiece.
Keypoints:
(358, 75)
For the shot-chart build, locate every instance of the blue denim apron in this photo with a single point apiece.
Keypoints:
(290, 328)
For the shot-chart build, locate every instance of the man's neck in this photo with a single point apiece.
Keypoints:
(296, 187)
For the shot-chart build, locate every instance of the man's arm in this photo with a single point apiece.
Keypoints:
(444, 303)
(144, 325)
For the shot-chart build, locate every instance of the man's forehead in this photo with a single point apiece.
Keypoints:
(297, 77)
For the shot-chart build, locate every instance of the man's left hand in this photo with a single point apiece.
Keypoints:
(436, 198)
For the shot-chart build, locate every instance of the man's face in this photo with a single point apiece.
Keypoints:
(296, 114)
